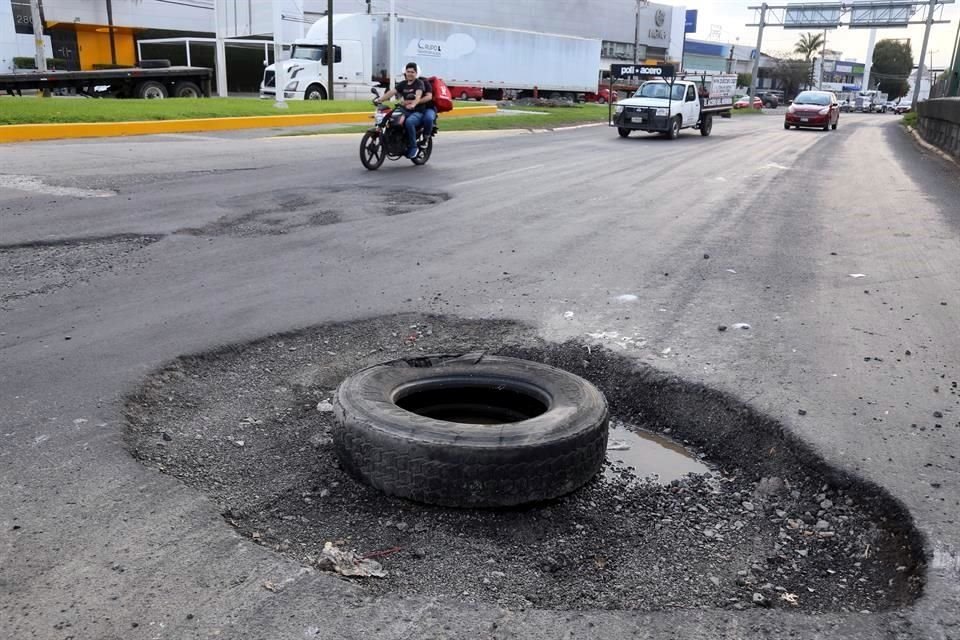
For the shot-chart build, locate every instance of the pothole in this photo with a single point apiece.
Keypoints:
(769, 525)
(284, 211)
(37, 268)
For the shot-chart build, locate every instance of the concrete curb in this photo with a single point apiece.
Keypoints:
(25, 132)
(930, 147)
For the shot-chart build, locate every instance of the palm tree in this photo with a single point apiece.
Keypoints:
(809, 44)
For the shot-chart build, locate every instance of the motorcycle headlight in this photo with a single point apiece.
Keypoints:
(662, 111)
(291, 86)
(618, 109)
(824, 111)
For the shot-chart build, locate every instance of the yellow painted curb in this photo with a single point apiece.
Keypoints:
(24, 132)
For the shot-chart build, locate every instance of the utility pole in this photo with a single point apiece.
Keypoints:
(923, 53)
(113, 44)
(331, 52)
(220, 62)
(636, 34)
(41, 56)
(868, 63)
(823, 59)
(279, 76)
(756, 58)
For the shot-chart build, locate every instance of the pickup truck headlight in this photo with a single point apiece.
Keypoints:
(662, 111)
(291, 86)
(618, 109)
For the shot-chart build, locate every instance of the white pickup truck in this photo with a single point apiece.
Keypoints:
(665, 107)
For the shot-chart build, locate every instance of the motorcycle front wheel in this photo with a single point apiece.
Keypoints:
(424, 155)
(372, 152)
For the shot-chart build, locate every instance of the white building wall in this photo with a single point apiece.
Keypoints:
(13, 44)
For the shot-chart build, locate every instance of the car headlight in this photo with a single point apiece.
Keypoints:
(618, 109)
(824, 111)
(291, 86)
(662, 111)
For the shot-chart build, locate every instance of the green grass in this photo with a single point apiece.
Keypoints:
(747, 112)
(910, 119)
(34, 110)
(546, 118)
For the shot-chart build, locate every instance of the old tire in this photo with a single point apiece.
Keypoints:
(187, 89)
(624, 132)
(537, 433)
(151, 90)
(706, 124)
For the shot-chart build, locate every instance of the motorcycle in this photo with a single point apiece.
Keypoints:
(387, 138)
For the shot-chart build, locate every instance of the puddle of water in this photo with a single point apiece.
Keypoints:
(648, 455)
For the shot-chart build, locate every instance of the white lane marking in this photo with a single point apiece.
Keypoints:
(774, 165)
(580, 126)
(34, 184)
(497, 175)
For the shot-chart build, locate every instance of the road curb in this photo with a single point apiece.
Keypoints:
(47, 131)
(930, 147)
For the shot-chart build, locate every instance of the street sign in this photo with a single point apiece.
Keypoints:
(641, 71)
(690, 24)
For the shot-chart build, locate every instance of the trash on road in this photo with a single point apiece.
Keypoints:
(324, 406)
(740, 325)
(348, 563)
(858, 275)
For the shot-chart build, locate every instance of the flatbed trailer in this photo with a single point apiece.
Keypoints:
(126, 82)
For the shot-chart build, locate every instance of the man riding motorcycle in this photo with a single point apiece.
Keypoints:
(416, 96)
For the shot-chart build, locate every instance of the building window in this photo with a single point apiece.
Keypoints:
(619, 50)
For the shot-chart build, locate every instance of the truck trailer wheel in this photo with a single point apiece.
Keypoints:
(186, 89)
(674, 128)
(151, 90)
(624, 133)
(470, 430)
(315, 92)
(706, 124)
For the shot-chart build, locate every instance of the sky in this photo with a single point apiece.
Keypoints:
(732, 15)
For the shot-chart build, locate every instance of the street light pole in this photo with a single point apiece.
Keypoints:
(40, 56)
(923, 53)
(756, 58)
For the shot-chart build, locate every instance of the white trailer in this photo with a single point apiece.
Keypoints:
(461, 54)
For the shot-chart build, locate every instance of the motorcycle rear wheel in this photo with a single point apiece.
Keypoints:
(372, 152)
(424, 155)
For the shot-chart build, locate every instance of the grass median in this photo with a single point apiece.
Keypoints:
(507, 118)
(34, 110)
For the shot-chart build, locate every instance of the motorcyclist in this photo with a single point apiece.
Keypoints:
(429, 109)
(411, 90)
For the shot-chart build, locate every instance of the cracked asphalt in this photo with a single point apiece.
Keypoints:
(844, 270)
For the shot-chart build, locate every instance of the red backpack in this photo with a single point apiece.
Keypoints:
(441, 95)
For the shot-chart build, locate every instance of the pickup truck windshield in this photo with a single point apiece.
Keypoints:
(660, 90)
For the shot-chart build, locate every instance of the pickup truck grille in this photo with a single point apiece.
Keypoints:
(639, 111)
(269, 79)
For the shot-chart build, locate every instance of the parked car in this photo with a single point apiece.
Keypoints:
(844, 105)
(771, 99)
(902, 107)
(744, 102)
(813, 109)
(602, 96)
(466, 93)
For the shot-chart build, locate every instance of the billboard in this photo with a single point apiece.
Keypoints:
(812, 16)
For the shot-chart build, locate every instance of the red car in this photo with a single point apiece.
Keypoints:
(466, 93)
(602, 96)
(818, 109)
(744, 102)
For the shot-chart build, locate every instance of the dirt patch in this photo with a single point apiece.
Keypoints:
(37, 268)
(289, 210)
(770, 526)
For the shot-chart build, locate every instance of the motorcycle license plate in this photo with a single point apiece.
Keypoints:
(637, 119)
(804, 119)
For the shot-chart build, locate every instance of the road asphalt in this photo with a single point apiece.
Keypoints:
(839, 249)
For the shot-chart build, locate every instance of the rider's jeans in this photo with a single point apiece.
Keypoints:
(410, 124)
(429, 117)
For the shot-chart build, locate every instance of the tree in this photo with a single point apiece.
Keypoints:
(791, 75)
(809, 44)
(743, 79)
(892, 65)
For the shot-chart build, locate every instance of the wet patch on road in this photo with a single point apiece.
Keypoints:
(769, 525)
(289, 210)
(36, 268)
